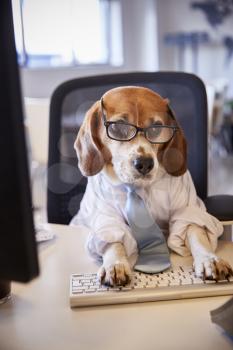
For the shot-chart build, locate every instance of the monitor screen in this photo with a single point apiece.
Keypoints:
(18, 252)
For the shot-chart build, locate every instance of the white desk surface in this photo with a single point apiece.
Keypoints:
(38, 315)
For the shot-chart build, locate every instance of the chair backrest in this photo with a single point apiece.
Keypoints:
(72, 99)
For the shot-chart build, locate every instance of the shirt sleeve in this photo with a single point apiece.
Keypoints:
(100, 213)
(187, 208)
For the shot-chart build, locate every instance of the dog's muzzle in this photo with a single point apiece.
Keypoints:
(143, 165)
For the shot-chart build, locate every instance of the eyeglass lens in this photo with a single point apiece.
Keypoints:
(159, 134)
(120, 131)
(125, 132)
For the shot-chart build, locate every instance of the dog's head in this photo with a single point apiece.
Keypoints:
(108, 139)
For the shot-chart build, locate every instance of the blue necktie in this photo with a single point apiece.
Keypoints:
(152, 247)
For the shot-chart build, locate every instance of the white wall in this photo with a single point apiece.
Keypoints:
(144, 24)
(140, 52)
(177, 16)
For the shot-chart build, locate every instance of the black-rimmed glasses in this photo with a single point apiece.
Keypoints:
(123, 131)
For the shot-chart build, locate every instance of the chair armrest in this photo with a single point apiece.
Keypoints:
(220, 206)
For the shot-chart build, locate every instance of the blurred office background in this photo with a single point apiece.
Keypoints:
(58, 40)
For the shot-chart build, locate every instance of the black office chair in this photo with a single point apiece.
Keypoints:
(72, 99)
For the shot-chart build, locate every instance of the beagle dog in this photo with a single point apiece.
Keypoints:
(132, 137)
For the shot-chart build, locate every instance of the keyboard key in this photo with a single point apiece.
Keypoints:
(223, 281)
(184, 282)
(174, 283)
(210, 281)
(163, 284)
(197, 281)
(76, 283)
(77, 291)
(115, 288)
(90, 290)
(137, 286)
(126, 288)
(85, 283)
(79, 288)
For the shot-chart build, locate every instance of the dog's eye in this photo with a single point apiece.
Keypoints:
(120, 121)
(159, 133)
(157, 122)
(121, 131)
(154, 131)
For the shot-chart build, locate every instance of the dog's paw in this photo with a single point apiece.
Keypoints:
(117, 274)
(212, 267)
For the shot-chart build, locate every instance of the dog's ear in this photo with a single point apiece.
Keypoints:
(173, 156)
(88, 146)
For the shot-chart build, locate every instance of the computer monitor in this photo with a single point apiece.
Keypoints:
(18, 252)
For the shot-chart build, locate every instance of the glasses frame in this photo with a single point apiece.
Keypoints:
(138, 129)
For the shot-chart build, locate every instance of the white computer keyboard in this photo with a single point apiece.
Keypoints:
(179, 283)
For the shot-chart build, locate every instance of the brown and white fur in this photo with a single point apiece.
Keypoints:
(97, 152)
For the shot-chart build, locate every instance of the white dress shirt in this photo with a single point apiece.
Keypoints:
(172, 202)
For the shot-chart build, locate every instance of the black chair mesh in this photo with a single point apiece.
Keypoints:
(72, 99)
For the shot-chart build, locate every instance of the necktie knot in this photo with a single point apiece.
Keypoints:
(130, 188)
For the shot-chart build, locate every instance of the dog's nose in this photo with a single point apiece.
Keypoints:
(143, 165)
